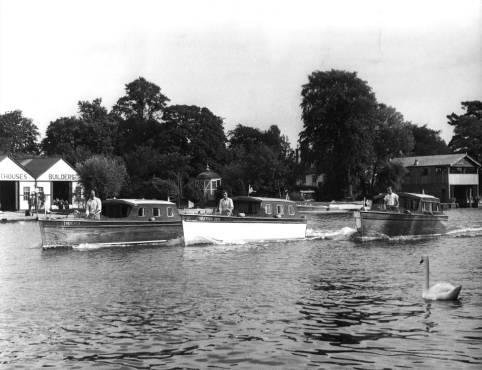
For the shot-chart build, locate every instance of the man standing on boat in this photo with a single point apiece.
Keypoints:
(94, 207)
(226, 205)
(391, 200)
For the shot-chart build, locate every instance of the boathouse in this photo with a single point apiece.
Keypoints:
(41, 181)
(208, 182)
(453, 178)
(15, 185)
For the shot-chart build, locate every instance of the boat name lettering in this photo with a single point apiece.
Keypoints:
(63, 177)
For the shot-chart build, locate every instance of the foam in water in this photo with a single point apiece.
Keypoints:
(343, 233)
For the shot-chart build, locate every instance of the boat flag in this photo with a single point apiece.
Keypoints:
(250, 189)
(190, 204)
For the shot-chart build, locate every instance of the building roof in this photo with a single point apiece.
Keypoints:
(137, 202)
(434, 160)
(208, 175)
(38, 166)
(250, 199)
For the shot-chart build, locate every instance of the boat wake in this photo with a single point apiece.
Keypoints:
(344, 233)
(465, 232)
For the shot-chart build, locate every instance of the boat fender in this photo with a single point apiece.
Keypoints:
(407, 211)
(152, 219)
(277, 216)
(241, 214)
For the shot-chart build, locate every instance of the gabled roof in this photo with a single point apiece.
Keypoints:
(434, 160)
(37, 166)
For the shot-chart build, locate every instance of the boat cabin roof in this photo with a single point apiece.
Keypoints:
(138, 202)
(424, 197)
(248, 199)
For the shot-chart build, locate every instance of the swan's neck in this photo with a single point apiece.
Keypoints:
(427, 268)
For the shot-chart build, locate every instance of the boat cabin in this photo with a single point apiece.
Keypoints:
(140, 210)
(410, 203)
(264, 207)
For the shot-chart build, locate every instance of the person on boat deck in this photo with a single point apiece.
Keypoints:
(391, 200)
(226, 205)
(94, 207)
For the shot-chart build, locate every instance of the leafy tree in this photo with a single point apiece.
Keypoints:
(428, 141)
(468, 130)
(392, 138)
(94, 131)
(339, 118)
(262, 159)
(391, 174)
(197, 132)
(18, 134)
(105, 175)
(143, 101)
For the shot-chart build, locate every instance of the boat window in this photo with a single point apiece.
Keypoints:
(115, 210)
(170, 213)
(267, 209)
(426, 207)
(156, 212)
(247, 208)
(280, 209)
(291, 210)
(140, 212)
(436, 207)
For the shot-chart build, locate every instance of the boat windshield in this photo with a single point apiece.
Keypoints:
(248, 208)
(116, 210)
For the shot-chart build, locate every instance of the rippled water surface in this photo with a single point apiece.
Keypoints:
(324, 302)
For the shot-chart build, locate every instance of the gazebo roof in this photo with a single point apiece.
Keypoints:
(208, 175)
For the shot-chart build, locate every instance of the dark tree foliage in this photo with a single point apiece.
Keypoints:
(391, 174)
(392, 138)
(143, 101)
(428, 141)
(18, 134)
(262, 159)
(198, 133)
(467, 136)
(339, 115)
(105, 175)
(94, 131)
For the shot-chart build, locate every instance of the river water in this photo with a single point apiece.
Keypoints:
(324, 302)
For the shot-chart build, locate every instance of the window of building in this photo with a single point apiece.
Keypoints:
(313, 179)
(156, 212)
(267, 209)
(26, 192)
(280, 209)
(425, 172)
(291, 210)
(140, 212)
(170, 213)
(438, 170)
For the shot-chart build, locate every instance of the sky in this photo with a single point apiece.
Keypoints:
(244, 60)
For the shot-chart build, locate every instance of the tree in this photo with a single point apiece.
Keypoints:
(468, 130)
(18, 134)
(143, 101)
(393, 137)
(94, 131)
(196, 132)
(339, 118)
(105, 175)
(262, 159)
(428, 141)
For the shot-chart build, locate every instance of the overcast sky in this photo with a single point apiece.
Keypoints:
(244, 60)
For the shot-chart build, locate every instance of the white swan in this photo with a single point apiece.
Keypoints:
(439, 291)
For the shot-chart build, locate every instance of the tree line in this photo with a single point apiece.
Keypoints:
(145, 147)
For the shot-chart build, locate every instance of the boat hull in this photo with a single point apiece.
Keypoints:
(69, 233)
(392, 224)
(225, 229)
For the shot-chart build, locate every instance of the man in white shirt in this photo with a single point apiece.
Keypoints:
(391, 200)
(93, 207)
(226, 205)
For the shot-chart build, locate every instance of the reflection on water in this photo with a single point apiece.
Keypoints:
(325, 302)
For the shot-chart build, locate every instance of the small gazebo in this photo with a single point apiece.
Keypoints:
(208, 181)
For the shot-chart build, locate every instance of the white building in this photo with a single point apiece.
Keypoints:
(48, 178)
